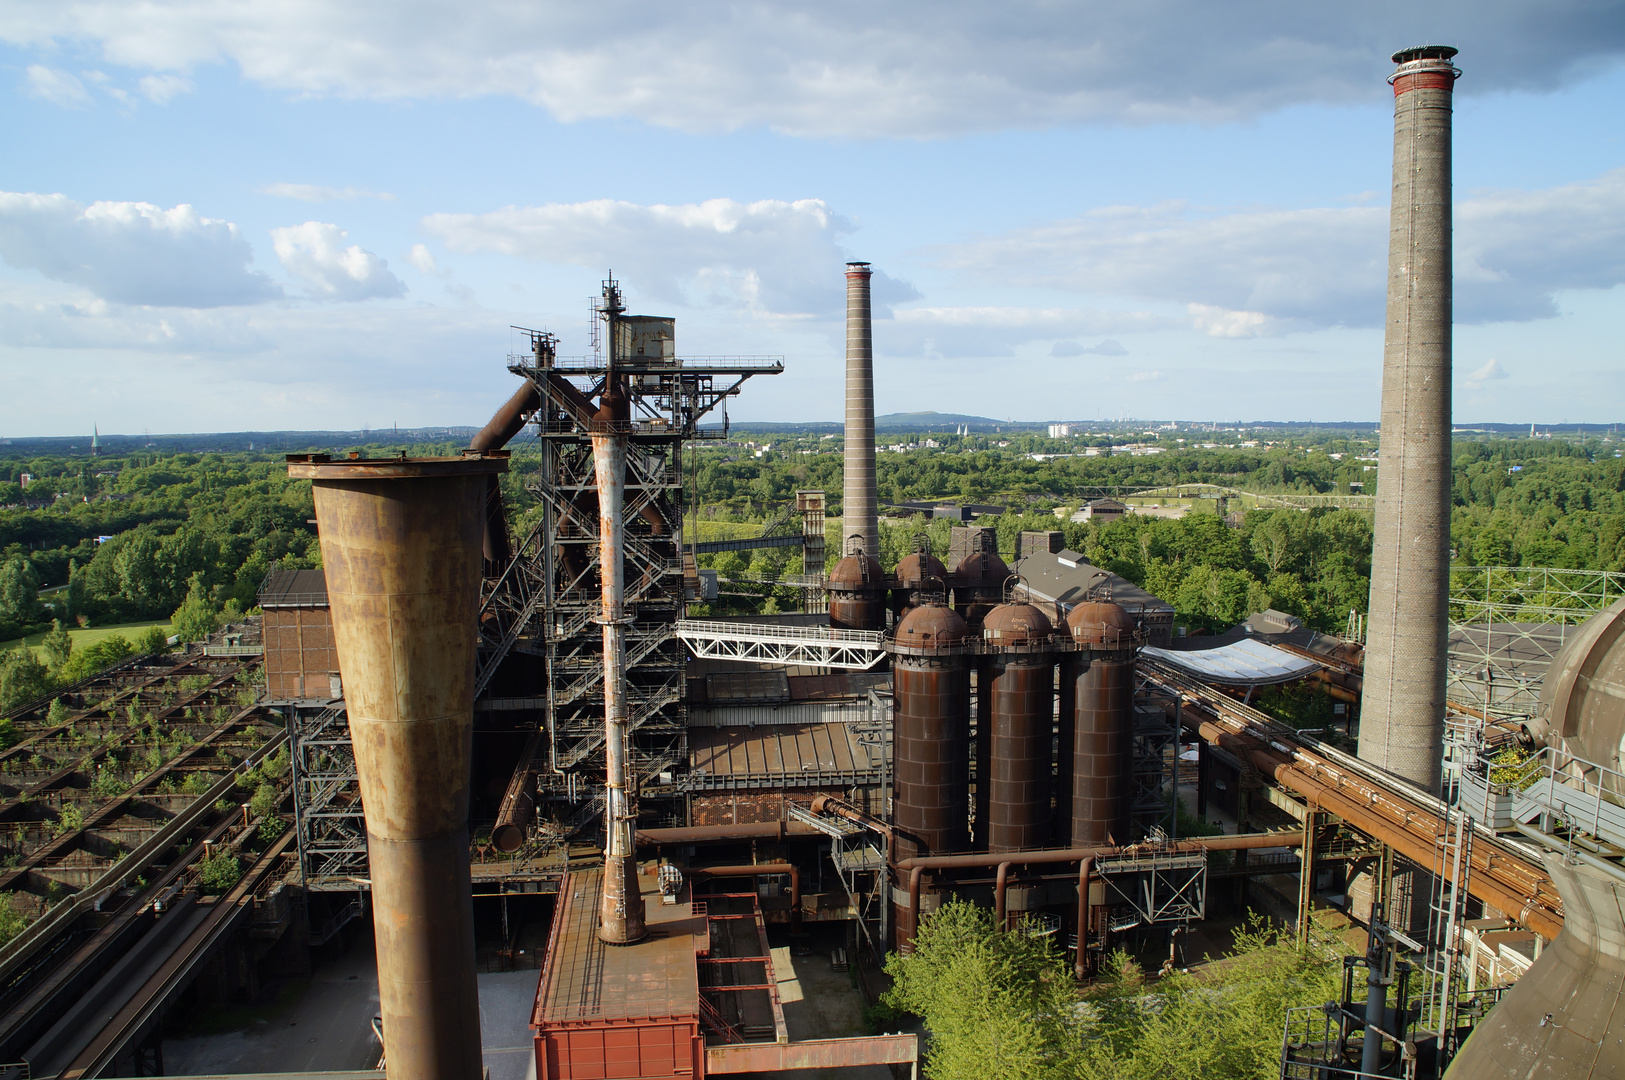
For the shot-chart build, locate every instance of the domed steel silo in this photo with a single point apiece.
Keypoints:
(857, 591)
(1017, 681)
(930, 740)
(979, 582)
(1103, 722)
(920, 575)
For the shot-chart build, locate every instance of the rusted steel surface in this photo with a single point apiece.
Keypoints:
(702, 834)
(621, 915)
(919, 574)
(812, 1054)
(931, 733)
(519, 801)
(1018, 682)
(1405, 818)
(857, 593)
(979, 583)
(401, 545)
(1102, 722)
(502, 426)
(758, 870)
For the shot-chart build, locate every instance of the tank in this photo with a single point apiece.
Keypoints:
(979, 582)
(1562, 1015)
(930, 740)
(920, 575)
(857, 592)
(402, 542)
(1102, 722)
(1017, 680)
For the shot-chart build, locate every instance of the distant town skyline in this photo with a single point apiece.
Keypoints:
(222, 218)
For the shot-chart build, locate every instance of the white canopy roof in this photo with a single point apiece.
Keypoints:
(1241, 663)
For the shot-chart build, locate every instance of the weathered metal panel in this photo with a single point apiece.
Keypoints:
(812, 1054)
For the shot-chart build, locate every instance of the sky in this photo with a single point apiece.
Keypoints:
(221, 216)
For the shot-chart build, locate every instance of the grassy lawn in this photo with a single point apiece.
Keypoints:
(91, 635)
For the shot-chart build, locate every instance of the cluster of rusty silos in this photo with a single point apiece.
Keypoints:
(1045, 777)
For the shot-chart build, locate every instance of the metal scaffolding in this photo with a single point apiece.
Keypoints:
(331, 830)
(542, 609)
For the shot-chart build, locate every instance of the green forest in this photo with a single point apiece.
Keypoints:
(98, 540)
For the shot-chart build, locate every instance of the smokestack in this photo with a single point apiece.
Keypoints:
(1402, 712)
(858, 513)
(620, 911)
(401, 542)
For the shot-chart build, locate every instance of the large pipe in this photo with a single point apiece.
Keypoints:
(710, 834)
(1005, 860)
(502, 426)
(859, 514)
(760, 870)
(400, 541)
(519, 801)
(620, 913)
(1402, 715)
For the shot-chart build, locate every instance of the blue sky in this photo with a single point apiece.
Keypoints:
(216, 216)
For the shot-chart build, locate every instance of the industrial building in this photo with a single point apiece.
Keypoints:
(478, 724)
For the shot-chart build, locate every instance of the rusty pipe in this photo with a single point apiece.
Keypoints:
(400, 542)
(519, 801)
(1086, 868)
(759, 870)
(999, 884)
(710, 834)
(621, 914)
(829, 804)
(503, 425)
(918, 865)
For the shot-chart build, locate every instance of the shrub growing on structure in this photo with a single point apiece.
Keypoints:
(219, 872)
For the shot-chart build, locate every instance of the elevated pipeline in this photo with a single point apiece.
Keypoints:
(1085, 857)
(759, 870)
(1384, 807)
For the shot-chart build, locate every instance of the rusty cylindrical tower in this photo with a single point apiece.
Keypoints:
(401, 545)
(857, 591)
(1103, 722)
(620, 912)
(1018, 679)
(1402, 712)
(859, 515)
(930, 743)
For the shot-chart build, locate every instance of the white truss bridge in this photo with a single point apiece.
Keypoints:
(767, 643)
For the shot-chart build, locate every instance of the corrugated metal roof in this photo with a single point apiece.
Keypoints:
(1063, 578)
(294, 589)
(787, 756)
(1241, 663)
(790, 712)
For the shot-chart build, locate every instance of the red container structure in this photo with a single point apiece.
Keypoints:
(608, 1012)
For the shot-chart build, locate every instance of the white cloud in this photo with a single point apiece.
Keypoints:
(161, 89)
(1491, 371)
(315, 252)
(770, 257)
(317, 193)
(1146, 376)
(421, 259)
(909, 68)
(131, 252)
(58, 87)
(1108, 347)
(1268, 271)
(955, 332)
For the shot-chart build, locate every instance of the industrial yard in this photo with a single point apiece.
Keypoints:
(518, 765)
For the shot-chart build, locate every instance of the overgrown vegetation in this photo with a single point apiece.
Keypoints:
(1003, 1004)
